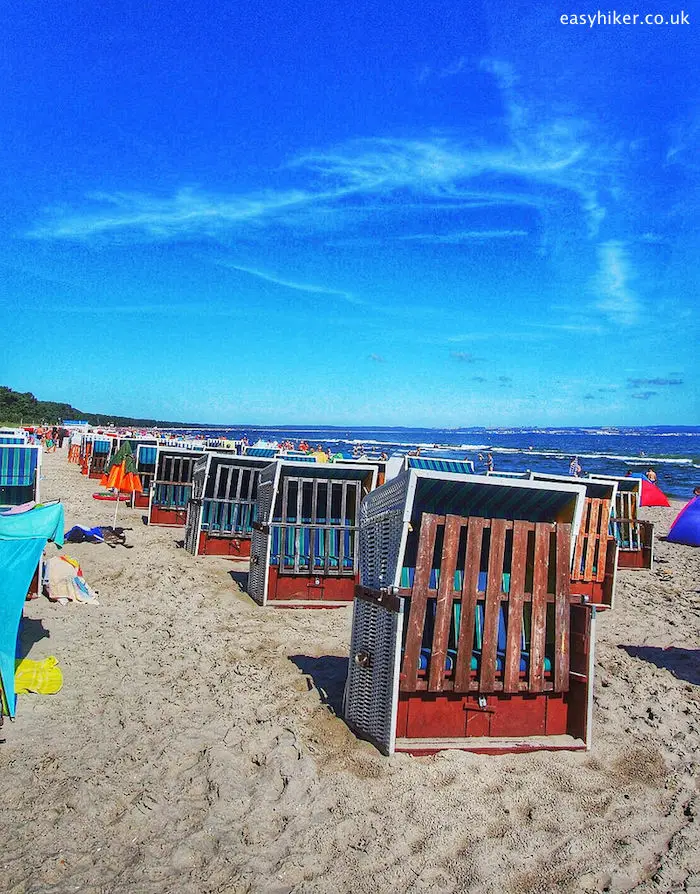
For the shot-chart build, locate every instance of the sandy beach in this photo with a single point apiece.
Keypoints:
(196, 746)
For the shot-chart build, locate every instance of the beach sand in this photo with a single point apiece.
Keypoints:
(196, 747)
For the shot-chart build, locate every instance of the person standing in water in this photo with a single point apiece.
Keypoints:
(575, 467)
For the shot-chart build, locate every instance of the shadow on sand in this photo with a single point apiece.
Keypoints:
(328, 674)
(240, 578)
(683, 663)
(31, 630)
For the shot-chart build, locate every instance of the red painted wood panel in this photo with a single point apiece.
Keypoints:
(520, 715)
(440, 716)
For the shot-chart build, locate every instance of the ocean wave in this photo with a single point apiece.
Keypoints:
(628, 460)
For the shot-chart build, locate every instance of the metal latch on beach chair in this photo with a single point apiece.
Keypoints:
(385, 597)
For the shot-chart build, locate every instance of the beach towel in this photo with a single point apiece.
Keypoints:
(17, 510)
(79, 534)
(41, 677)
(66, 582)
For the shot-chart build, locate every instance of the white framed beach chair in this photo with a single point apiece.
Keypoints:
(223, 505)
(634, 536)
(594, 564)
(171, 486)
(304, 545)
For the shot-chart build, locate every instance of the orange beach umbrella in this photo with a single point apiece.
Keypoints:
(118, 478)
(121, 475)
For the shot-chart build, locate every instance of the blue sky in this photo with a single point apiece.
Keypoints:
(408, 213)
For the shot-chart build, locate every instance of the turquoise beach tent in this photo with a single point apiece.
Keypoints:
(686, 527)
(23, 536)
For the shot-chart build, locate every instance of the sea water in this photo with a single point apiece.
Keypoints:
(674, 453)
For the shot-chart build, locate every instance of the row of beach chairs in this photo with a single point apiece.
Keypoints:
(475, 598)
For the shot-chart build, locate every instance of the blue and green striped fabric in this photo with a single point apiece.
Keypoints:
(500, 500)
(172, 496)
(322, 539)
(228, 518)
(8, 439)
(147, 456)
(261, 451)
(101, 447)
(439, 465)
(407, 576)
(17, 466)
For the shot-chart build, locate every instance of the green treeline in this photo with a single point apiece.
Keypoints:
(23, 408)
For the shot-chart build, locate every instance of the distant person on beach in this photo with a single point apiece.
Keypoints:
(575, 467)
(489, 462)
(651, 476)
(383, 456)
(696, 491)
(628, 473)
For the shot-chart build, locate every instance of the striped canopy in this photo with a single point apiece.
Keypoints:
(490, 500)
(17, 466)
(146, 456)
(439, 465)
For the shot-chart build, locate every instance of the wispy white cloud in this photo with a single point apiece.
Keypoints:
(615, 297)
(684, 144)
(569, 158)
(580, 328)
(657, 382)
(545, 163)
(186, 212)
(462, 236)
(546, 171)
(296, 286)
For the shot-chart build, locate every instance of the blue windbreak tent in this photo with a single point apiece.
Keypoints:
(23, 536)
(686, 528)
